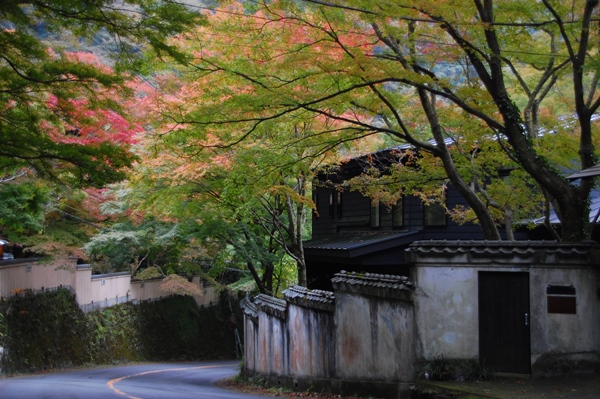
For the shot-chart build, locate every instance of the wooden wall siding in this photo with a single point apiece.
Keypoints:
(355, 216)
(356, 211)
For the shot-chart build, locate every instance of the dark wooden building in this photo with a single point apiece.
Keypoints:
(354, 233)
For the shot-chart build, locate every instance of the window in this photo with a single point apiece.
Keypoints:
(561, 299)
(398, 213)
(331, 211)
(375, 209)
(335, 203)
(435, 214)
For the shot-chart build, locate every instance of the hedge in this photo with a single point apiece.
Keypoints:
(48, 330)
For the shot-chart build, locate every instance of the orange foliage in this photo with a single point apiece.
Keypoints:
(178, 285)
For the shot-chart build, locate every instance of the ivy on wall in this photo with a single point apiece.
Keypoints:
(48, 330)
(44, 331)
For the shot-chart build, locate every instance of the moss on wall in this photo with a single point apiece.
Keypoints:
(44, 331)
(114, 335)
(48, 330)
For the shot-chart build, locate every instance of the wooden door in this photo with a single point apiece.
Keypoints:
(504, 339)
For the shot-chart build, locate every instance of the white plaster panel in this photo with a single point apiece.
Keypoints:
(446, 309)
(263, 347)
(354, 336)
(564, 333)
(394, 356)
(250, 343)
(299, 341)
(277, 345)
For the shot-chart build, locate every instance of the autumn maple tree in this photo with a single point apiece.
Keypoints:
(57, 209)
(253, 198)
(47, 93)
(70, 93)
(420, 73)
(251, 193)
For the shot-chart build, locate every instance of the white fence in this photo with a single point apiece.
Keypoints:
(92, 291)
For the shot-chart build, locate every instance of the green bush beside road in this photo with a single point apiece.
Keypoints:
(48, 330)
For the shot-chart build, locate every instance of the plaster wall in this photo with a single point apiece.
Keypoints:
(374, 338)
(250, 343)
(358, 340)
(559, 333)
(272, 345)
(383, 324)
(83, 279)
(354, 337)
(101, 290)
(446, 312)
(144, 290)
(105, 287)
(312, 349)
(33, 275)
(209, 295)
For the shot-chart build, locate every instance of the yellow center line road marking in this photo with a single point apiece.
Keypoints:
(111, 383)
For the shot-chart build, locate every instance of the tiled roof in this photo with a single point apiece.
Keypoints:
(374, 280)
(352, 241)
(518, 252)
(497, 247)
(303, 296)
(594, 209)
(297, 291)
(403, 147)
(271, 305)
(249, 308)
(372, 284)
(589, 172)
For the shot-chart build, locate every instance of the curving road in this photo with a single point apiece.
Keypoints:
(146, 381)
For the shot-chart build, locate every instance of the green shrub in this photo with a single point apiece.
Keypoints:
(44, 331)
(48, 330)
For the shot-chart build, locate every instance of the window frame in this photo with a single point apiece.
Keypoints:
(432, 214)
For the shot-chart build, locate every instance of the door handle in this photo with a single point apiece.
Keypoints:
(526, 319)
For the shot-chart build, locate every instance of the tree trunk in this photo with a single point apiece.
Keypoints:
(571, 200)
(267, 279)
(508, 224)
(257, 279)
(484, 216)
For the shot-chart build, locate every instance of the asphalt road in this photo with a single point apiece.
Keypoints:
(145, 381)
